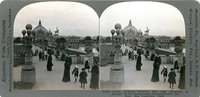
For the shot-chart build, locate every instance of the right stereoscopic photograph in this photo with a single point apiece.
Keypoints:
(142, 47)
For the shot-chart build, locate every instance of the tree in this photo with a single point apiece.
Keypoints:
(108, 39)
(62, 42)
(135, 42)
(17, 40)
(45, 42)
(88, 40)
(147, 43)
(97, 39)
(178, 44)
(88, 44)
(152, 41)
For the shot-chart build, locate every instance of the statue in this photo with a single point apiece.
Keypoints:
(147, 31)
(57, 31)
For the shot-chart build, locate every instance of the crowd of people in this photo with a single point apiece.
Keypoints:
(169, 76)
(46, 55)
(155, 57)
(94, 82)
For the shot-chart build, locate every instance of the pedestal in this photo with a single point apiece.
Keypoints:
(117, 70)
(28, 74)
(117, 75)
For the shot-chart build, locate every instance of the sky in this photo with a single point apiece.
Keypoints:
(70, 18)
(160, 18)
(81, 20)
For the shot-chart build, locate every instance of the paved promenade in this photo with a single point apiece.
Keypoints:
(134, 80)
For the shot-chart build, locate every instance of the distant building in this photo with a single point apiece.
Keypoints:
(41, 32)
(131, 32)
(163, 42)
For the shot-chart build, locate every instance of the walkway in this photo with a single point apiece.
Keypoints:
(134, 80)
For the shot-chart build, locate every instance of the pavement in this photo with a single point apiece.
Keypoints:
(134, 80)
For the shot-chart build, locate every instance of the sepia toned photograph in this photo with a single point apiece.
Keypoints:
(56, 47)
(142, 47)
(99, 48)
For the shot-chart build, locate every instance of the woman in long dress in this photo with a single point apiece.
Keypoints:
(66, 75)
(94, 83)
(155, 74)
(182, 78)
(49, 63)
(67, 65)
(139, 63)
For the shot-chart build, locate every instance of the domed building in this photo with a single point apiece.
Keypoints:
(131, 32)
(41, 32)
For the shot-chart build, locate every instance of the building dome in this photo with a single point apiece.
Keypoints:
(130, 31)
(41, 31)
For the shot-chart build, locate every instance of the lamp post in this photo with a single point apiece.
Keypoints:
(112, 32)
(28, 70)
(117, 70)
(178, 42)
(33, 33)
(23, 33)
(123, 33)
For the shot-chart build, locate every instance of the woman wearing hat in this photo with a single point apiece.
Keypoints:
(182, 78)
(94, 82)
(171, 79)
(49, 63)
(139, 62)
(155, 74)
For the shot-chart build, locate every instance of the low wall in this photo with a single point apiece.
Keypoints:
(19, 61)
(77, 59)
(171, 59)
(167, 59)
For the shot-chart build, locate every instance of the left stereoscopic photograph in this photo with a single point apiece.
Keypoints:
(56, 47)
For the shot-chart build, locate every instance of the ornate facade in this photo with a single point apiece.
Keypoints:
(131, 32)
(41, 32)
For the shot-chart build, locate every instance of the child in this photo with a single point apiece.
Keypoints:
(171, 78)
(164, 72)
(83, 78)
(75, 72)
